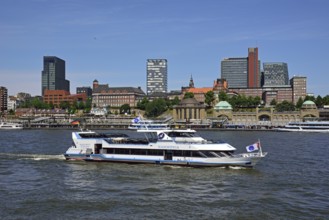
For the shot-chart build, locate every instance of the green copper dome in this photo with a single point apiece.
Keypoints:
(223, 105)
(308, 102)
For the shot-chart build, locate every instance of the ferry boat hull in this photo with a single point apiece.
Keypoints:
(239, 161)
(10, 126)
(303, 130)
(311, 126)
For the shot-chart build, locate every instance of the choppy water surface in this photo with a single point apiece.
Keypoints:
(292, 182)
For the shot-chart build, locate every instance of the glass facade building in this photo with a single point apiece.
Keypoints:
(157, 76)
(234, 70)
(275, 74)
(53, 74)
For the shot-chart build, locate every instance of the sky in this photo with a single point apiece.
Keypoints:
(110, 40)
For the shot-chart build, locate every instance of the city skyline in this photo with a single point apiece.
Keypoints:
(111, 40)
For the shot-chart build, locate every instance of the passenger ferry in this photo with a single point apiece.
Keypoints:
(141, 124)
(10, 126)
(309, 126)
(165, 147)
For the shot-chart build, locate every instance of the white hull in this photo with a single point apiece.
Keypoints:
(238, 160)
(10, 126)
(303, 130)
(310, 126)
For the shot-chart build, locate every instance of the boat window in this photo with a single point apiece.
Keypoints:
(224, 153)
(133, 151)
(122, 151)
(219, 153)
(202, 154)
(137, 141)
(155, 152)
(92, 135)
(208, 154)
(110, 150)
(182, 153)
(230, 153)
(171, 134)
(180, 134)
(196, 154)
(186, 153)
(139, 151)
(178, 153)
(116, 135)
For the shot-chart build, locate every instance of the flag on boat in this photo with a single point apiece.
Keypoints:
(136, 120)
(253, 147)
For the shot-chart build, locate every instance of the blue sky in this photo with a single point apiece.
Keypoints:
(110, 40)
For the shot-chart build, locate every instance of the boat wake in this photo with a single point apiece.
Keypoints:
(32, 156)
(237, 168)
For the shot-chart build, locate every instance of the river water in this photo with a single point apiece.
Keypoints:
(292, 182)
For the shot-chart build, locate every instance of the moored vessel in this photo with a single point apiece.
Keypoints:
(139, 123)
(308, 126)
(10, 126)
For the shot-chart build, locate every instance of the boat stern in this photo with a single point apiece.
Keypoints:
(74, 154)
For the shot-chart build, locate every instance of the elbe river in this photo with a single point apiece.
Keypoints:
(292, 182)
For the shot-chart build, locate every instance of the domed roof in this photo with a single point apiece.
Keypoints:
(308, 102)
(223, 105)
(309, 105)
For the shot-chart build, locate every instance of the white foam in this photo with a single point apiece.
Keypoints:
(33, 156)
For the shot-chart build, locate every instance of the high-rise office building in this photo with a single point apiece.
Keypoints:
(275, 74)
(53, 74)
(253, 68)
(3, 99)
(234, 71)
(157, 76)
(242, 72)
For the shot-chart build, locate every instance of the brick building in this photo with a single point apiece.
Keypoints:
(104, 96)
(57, 96)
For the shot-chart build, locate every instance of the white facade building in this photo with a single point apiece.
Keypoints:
(157, 76)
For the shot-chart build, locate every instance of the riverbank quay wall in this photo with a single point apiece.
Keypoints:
(248, 118)
(263, 117)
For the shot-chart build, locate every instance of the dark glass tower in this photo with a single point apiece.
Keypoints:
(53, 74)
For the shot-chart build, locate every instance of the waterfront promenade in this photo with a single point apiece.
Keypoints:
(119, 123)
